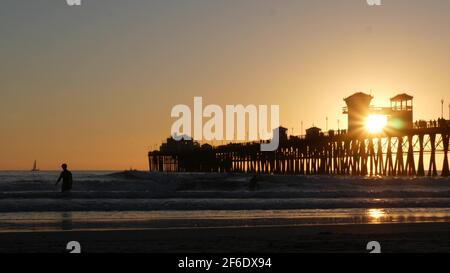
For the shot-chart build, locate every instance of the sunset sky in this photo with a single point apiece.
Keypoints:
(94, 85)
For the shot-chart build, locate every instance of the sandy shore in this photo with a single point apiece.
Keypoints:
(420, 237)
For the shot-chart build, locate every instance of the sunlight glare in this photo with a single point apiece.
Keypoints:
(376, 214)
(375, 123)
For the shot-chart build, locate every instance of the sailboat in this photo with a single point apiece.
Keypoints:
(35, 169)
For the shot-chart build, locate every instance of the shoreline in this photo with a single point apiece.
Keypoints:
(183, 204)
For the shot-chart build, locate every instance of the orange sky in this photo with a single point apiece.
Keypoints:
(94, 85)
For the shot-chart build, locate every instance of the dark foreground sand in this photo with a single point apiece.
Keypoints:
(420, 237)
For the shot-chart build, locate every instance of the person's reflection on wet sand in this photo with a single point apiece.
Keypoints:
(66, 221)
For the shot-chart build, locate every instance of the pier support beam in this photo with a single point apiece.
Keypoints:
(410, 164)
(432, 171)
(399, 157)
(389, 167)
(445, 168)
(420, 167)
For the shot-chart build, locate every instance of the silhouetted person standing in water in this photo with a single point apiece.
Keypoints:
(66, 177)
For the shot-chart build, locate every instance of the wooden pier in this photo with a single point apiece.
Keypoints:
(408, 151)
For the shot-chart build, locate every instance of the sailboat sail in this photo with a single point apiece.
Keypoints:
(35, 169)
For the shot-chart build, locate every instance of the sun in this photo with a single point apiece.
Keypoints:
(375, 123)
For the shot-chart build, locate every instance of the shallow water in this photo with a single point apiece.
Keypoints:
(79, 221)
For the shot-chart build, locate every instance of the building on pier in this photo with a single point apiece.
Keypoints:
(401, 114)
(313, 132)
(357, 110)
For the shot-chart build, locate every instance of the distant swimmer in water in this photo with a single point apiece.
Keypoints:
(66, 177)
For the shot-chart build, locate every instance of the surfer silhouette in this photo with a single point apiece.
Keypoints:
(66, 177)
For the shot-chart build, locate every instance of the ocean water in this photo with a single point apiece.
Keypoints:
(105, 200)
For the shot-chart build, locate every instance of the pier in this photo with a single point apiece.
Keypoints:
(402, 147)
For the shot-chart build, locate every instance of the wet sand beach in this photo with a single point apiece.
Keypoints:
(418, 237)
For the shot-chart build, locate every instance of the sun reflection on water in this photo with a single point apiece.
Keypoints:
(375, 215)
